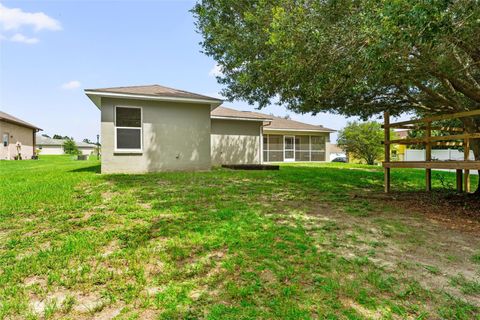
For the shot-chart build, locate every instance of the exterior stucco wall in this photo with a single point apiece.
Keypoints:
(58, 150)
(333, 152)
(86, 150)
(50, 150)
(235, 142)
(176, 136)
(16, 134)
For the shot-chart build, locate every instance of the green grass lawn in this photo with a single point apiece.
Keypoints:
(288, 244)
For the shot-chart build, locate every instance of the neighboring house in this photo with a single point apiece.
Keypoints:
(155, 128)
(18, 136)
(399, 151)
(49, 146)
(334, 151)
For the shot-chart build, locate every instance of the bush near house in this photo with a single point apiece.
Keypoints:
(70, 147)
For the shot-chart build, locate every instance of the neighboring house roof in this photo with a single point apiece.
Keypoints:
(9, 118)
(275, 123)
(281, 124)
(227, 113)
(402, 134)
(46, 141)
(151, 92)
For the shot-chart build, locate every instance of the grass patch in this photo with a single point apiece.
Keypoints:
(221, 245)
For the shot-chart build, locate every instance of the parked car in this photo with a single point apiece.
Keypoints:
(340, 159)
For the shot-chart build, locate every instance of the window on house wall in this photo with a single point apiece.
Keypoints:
(318, 148)
(5, 139)
(128, 128)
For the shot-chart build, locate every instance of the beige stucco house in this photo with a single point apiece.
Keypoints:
(18, 137)
(50, 146)
(156, 128)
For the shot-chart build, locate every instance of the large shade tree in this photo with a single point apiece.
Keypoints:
(351, 57)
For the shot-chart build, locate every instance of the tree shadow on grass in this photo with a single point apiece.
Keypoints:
(95, 169)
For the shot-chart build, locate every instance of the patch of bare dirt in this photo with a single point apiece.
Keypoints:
(109, 312)
(83, 302)
(427, 245)
(369, 314)
(110, 248)
(454, 211)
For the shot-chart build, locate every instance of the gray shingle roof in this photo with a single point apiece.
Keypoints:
(9, 118)
(277, 123)
(288, 124)
(232, 113)
(46, 141)
(154, 90)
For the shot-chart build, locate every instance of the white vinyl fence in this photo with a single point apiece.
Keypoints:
(437, 154)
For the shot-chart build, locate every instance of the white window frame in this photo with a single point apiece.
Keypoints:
(140, 150)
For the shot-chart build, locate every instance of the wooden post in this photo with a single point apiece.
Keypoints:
(466, 156)
(386, 128)
(459, 181)
(428, 156)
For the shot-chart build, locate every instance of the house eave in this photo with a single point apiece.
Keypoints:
(298, 130)
(241, 119)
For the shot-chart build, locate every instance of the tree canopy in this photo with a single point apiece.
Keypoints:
(355, 58)
(349, 57)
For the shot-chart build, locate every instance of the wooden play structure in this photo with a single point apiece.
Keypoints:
(458, 138)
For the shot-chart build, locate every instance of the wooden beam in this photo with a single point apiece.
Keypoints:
(457, 115)
(386, 173)
(437, 138)
(452, 165)
(416, 127)
(428, 157)
(459, 181)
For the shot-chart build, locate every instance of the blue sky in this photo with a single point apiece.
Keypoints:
(51, 50)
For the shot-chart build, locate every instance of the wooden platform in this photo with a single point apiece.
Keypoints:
(460, 137)
(251, 166)
(468, 165)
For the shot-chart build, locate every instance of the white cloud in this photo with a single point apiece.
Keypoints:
(18, 37)
(74, 84)
(216, 71)
(15, 18)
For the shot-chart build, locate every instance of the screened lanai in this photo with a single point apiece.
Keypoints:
(288, 148)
